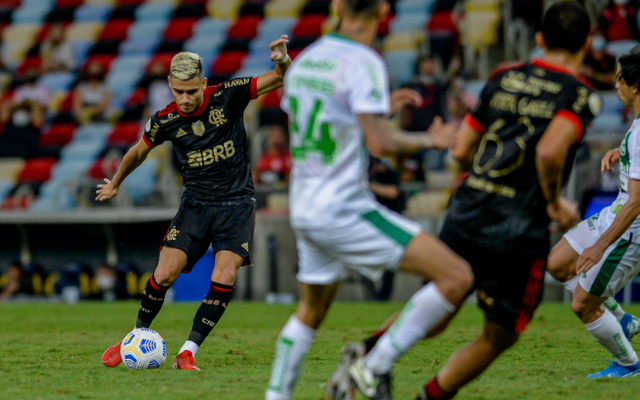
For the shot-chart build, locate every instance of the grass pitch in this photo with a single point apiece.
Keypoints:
(52, 351)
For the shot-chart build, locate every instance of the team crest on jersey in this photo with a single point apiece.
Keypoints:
(198, 128)
(216, 117)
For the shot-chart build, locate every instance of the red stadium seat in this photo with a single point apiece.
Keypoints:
(309, 26)
(103, 59)
(442, 21)
(293, 53)
(180, 29)
(58, 135)
(124, 133)
(272, 99)
(161, 58)
(28, 63)
(42, 35)
(130, 2)
(101, 168)
(37, 169)
(194, 2)
(116, 29)
(67, 103)
(228, 62)
(138, 97)
(245, 28)
(68, 3)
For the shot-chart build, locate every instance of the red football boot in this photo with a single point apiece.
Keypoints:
(111, 357)
(185, 360)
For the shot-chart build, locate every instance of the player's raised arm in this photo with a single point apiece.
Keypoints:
(551, 155)
(384, 140)
(274, 79)
(132, 160)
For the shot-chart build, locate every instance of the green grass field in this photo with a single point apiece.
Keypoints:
(51, 351)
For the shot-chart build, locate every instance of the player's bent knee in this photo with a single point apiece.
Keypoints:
(165, 275)
(458, 282)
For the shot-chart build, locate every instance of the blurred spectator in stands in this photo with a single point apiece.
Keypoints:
(384, 182)
(91, 96)
(274, 165)
(21, 280)
(105, 279)
(618, 21)
(23, 116)
(158, 93)
(426, 82)
(56, 53)
(599, 66)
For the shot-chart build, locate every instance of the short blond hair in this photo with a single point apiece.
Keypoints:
(186, 66)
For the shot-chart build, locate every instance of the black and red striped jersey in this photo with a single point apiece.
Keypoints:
(501, 205)
(211, 142)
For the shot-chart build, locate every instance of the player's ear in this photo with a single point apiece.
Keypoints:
(384, 10)
(204, 82)
(587, 44)
(540, 40)
(338, 7)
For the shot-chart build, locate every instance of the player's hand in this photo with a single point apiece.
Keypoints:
(564, 213)
(404, 97)
(106, 190)
(279, 48)
(612, 157)
(443, 136)
(589, 258)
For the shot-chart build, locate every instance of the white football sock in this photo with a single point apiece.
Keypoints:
(424, 311)
(615, 308)
(191, 346)
(608, 332)
(571, 284)
(293, 344)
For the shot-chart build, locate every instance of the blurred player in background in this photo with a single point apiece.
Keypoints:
(602, 254)
(205, 125)
(337, 98)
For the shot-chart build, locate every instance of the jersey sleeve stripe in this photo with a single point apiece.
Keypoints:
(253, 91)
(573, 119)
(474, 123)
(147, 141)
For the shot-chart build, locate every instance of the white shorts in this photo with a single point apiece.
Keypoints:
(370, 243)
(620, 263)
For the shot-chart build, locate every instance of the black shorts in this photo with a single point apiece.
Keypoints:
(509, 285)
(226, 227)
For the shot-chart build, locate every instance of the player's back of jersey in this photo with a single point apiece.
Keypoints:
(501, 204)
(327, 85)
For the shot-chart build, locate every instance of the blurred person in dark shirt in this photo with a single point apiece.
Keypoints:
(433, 91)
(618, 21)
(599, 66)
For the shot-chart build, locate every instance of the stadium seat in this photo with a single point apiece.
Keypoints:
(161, 58)
(210, 27)
(141, 182)
(154, 12)
(37, 169)
(611, 103)
(309, 26)
(179, 29)
(58, 135)
(408, 7)
(244, 28)
(474, 88)
(31, 13)
(441, 21)
(10, 168)
(70, 170)
(480, 29)
(608, 122)
(401, 65)
(228, 62)
(116, 29)
(128, 63)
(283, 8)
(81, 50)
(620, 47)
(204, 46)
(58, 81)
(110, 2)
(272, 28)
(228, 9)
(68, 3)
(104, 60)
(5, 189)
(402, 41)
(83, 31)
(124, 134)
(92, 13)
(29, 63)
(409, 22)
(259, 61)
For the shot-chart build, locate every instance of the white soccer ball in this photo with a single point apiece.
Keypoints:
(143, 349)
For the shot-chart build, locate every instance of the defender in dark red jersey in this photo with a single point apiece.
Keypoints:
(205, 125)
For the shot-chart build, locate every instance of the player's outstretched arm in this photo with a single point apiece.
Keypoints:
(609, 160)
(382, 140)
(274, 79)
(629, 212)
(404, 97)
(551, 155)
(134, 157)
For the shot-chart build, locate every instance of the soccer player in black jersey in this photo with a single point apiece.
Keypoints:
(205, 125)
(518, 145)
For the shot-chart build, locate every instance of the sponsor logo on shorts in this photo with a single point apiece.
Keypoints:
(245, 246)
(173, 234)
(489, 301)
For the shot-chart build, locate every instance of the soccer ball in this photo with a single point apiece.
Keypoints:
(143, 349)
